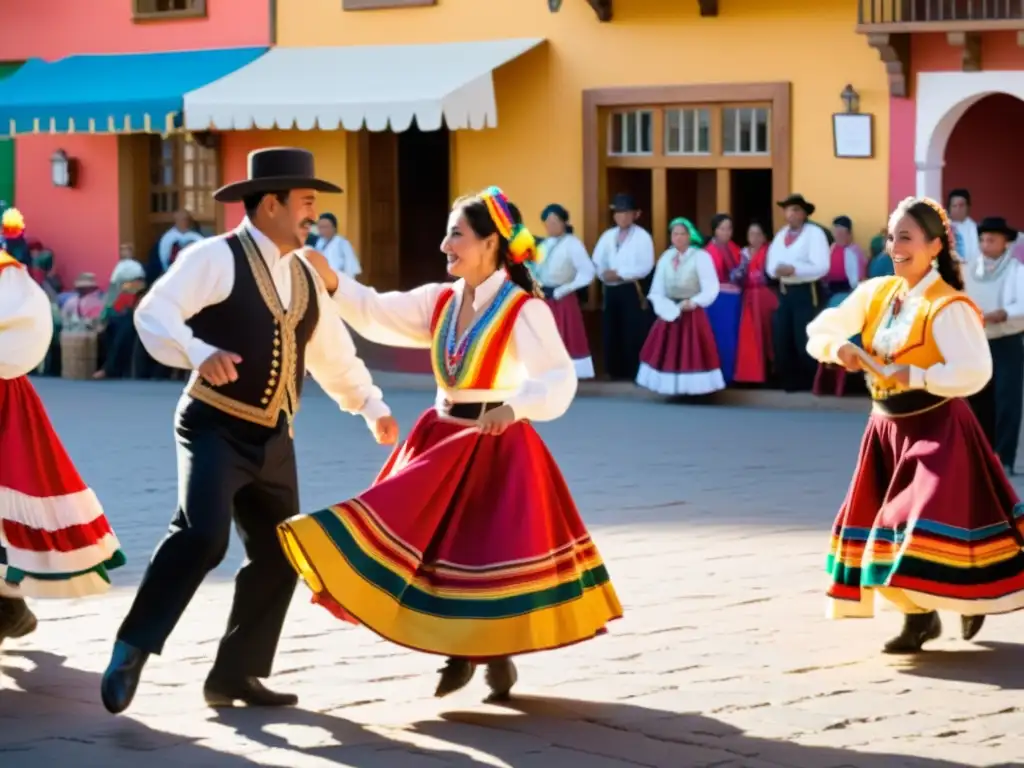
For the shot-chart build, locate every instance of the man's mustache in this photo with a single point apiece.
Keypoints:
(308, 222)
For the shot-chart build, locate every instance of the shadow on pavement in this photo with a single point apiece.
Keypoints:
(640, 736)
(353, 744)
(989, 663)
(55, 718)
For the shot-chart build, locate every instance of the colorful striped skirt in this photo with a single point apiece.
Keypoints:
(55, 540)
(930, 513)
(466, 545)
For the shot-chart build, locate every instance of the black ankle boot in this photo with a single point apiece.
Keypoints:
(455, 674)
(501, 676)
(16, 619)
(970, 626)
(918, 629)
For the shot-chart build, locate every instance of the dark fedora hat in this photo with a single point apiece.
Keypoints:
(623, 202)
(997, 225)
(275, 169)
(799, 200)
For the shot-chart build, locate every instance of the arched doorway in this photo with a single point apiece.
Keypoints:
(985, 155)
(965, 137)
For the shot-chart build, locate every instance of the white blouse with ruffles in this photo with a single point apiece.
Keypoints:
(957, 330)
(536, 378)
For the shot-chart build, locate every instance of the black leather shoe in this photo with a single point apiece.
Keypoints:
(970, 626)
(501, 676)
(220, 693)
(121, 679)
(16, 619)
(455, 674)
(918, 629)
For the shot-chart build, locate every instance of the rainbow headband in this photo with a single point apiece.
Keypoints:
(522, 246)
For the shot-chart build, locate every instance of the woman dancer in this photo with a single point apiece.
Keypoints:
(754, 355)
(468, 545)
(564, 269)
(54, 539)
(680, 356)
(930, 521)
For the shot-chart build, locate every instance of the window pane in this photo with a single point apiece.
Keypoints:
(646, 132)
(761, 131)
(730, 141)
(616, 141)
(686, 130)
(672, 139)
(746, 130)
(703, 131)
(629, 134)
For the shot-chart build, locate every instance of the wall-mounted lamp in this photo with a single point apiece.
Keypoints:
(851, 99)
(62, 169)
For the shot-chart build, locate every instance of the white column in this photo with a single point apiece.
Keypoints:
(929, 179)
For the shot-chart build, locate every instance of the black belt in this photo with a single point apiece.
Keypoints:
(468, 411)
(908, 402)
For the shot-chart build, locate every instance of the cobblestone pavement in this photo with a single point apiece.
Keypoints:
(713, 522)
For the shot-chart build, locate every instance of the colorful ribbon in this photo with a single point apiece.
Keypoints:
(522, 247)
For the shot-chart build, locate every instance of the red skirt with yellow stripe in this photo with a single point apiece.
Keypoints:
(466, 545)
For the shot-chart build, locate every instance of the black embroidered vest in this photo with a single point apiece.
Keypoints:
(252, 323)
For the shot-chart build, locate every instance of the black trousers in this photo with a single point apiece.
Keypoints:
(227, 468)
(998, 407)
(798, 305)
(626, 321)
(120, 339)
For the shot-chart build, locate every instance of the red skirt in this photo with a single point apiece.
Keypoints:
(55, 540)
(569, 320)
(754, 353)
(681, 358)
(931, 513)
(466, 545)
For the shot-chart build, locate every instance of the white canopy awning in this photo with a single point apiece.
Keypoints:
(376, 86)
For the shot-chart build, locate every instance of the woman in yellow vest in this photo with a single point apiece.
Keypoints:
(930, 521)
(469, 544)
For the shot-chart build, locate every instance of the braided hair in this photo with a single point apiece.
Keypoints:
(934, 222)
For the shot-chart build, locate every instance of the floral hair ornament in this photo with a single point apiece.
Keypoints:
(13, 224)
(695, 237)
(522, 247)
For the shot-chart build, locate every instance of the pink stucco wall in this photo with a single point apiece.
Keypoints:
(932, 53)
(81, 225)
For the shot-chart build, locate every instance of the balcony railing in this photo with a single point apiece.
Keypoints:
(939, 15)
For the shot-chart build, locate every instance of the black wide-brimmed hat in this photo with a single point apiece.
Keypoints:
(275, 169)
(623, 202)
(997, 225)
(797, 200)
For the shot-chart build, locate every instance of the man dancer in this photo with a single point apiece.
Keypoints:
(249, 316)
(799, 257)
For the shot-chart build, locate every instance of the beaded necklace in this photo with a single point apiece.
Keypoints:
(457, 351)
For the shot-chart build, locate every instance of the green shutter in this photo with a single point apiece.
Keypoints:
(7, 149)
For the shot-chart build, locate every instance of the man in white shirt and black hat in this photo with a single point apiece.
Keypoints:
(799, 257)
(994, 280)
(624, 259)
(248, 316)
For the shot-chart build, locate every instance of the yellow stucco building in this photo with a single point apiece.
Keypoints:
(693, 106)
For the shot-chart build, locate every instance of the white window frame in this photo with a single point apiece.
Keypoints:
(636, 116)
(689, 122)
(737, 114)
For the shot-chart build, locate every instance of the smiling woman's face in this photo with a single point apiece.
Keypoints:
(911, 250)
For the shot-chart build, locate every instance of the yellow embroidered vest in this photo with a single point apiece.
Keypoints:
(920, 349)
